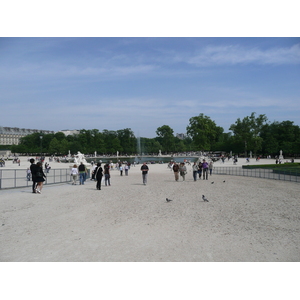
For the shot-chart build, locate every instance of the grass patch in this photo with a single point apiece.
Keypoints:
(286, 168)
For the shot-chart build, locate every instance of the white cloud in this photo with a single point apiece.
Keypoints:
(232, 55)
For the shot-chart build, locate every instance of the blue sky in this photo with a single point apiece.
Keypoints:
(144, 83)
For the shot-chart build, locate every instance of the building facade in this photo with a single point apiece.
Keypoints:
(12, 135)
(70, 132)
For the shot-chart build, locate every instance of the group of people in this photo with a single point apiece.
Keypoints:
(80, 171)
(198, 169)
(97, 174)
(37, 175)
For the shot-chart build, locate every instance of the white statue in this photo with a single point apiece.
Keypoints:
(280, 155)
(159, 153)
(79, 158)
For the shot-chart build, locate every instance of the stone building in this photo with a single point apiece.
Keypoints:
(12, 135)
(70, 132)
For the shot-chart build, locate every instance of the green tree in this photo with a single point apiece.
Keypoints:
(204, 132)
(54, 147)
(127, 140)
(166, 138)
(247, 132)
(179, 145)
(283, 136)
(64, 147)
(112, 142)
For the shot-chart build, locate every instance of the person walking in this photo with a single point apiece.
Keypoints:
(98, 176)
(195, 171)
(107, 174)
(121, 170)
(182, 170)
(205, 169)
(33, 169)
(144, 169)
(39, 177)
(176, 171)
(210, 167)
(126, 169)
(28, 174)
(200, 169)
(74, 174)
(82, 173)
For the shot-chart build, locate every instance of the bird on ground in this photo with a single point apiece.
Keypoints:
(168, 200)
(212, 182)
(224, 181)
(204, 198)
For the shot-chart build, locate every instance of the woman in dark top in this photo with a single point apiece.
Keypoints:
(107, 174)
(98, 175)
(39, 177)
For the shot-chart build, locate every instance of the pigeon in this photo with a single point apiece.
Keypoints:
(224, 181)
(212, 182)
(204, 199)
(168, 200)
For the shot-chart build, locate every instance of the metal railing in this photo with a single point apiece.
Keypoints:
(259, 173)
(17, 178)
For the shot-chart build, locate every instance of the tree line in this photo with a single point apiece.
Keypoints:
(252, 133)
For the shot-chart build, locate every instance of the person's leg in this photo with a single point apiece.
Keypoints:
(33, 186)
(100, 183)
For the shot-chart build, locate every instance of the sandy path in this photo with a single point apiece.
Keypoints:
(246, 219)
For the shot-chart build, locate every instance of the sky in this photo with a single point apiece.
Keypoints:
(143, 83)
(225, 59)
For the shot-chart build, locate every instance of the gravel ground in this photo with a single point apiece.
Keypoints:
(245, 220)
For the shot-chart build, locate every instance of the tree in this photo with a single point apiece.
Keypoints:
(166, 137)
(54, 147)
(127, 140)
(247, 132)
(283, 136)
(203, 131)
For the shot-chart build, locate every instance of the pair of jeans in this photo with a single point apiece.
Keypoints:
(195, 175)
(144, 178)
(82, 177)
(107, 179)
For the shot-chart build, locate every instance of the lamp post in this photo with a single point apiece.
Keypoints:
(41, 137)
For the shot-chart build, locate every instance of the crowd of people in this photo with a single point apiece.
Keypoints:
(38, 176)
(199, 169)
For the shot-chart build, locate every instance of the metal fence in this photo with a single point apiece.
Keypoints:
(259, 173)
(11, 178)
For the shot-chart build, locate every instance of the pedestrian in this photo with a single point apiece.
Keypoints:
(176, 171)
(195, 171)
(82, 173)
(94, 166)
(98, 175)
(182, 170)
(74, 174)
(28, 174)
(40, 177)
(210, 167)
(33, 169)
(121, 170)
(205, 169)
(126, 170)
(144, 169)
(200, 169)
(107, 174)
